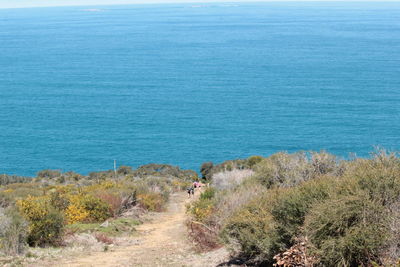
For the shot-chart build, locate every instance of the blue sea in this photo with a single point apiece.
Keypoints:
(187, 83)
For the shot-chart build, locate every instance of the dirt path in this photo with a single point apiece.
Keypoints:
(162, 242)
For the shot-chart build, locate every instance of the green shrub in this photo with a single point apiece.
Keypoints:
(347, 231)
(379, 177)
(59, 201)
(11, 179)
(206, 170)
(253, 160)
(292, 205)
(209, 193)
(114, 227)
(164, 170)
(124, 170)
(343, 228)
(50, 174)
(48, 230)
(251, 232)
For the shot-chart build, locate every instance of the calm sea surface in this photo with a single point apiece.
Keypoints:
(184, 84)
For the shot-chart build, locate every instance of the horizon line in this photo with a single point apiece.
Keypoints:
(171, 2)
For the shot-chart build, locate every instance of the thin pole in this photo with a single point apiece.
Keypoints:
(115, 169)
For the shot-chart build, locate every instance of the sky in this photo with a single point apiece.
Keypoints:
(42, 3)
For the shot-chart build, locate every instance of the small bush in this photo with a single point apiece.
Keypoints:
(201, 209)
(151, 201)
(283, 170)
(59, 201)
(46, 224)
(104, 239)
(48, 230)
(228, 202)
(287, 170)
(347, 211)
(87, 208)
(76, 213)
(125, 170)
(292, 205)
(50, 174)
(251, 231)
(205, 237)
(229, 179)
(12, 232)
(254, 160)
(209, 193)
(347, 231)
(206, 170)
(114, 201)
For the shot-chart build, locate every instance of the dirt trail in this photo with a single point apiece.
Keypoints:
(162, 242)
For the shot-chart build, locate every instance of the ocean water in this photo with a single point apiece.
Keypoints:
(184, 84)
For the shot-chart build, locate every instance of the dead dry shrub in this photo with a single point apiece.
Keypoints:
(283, 170)
(288, 170)
(228, 202)
(113, 200)
(230, 179)
(104, 238)
(297, 255)
(391, 255)
(13, 232)
(205, 237)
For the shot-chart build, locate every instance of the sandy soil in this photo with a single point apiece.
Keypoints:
(162, 241)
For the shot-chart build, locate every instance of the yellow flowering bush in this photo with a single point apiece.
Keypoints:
(86, 208)
(33, 208)
(201, 209)
(46, 224)
(101, 186)
(76, 213)
(151, 201)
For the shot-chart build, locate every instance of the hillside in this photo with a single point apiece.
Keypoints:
(299, 209)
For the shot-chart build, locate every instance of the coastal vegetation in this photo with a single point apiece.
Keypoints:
(54, 207)
(326, 210)
(288, 209)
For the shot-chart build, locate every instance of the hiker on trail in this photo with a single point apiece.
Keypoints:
(189, 190)
(192, 191)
